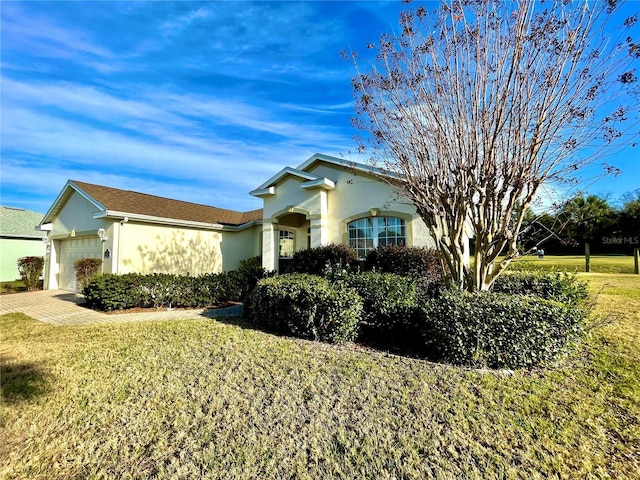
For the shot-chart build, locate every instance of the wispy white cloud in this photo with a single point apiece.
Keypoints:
(199, 101)
(175, 26)
(87, 133)
(43, 37)
(195, 100)
(82, 100)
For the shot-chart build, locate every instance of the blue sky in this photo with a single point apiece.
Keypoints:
(200, 101)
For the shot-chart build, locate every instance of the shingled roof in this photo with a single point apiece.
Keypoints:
(136, 203)
(19, 223)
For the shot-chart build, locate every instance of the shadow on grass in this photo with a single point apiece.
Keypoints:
(20, 382)
(237, 320)
(396, 344)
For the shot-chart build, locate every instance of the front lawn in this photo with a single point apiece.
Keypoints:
(207, 399)
(577, 263)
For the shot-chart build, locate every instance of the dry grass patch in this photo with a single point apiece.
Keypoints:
(206, 399)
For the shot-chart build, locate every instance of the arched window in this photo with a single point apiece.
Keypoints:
(371, 232)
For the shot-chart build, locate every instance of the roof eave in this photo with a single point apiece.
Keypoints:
(157, 220)
(324, 183)
(244, 226)
(263, 192)
(306, 176)
(63, 196)
(375, 171)
(24, 236)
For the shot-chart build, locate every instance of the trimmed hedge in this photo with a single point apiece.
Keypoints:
(325, 260)
(305, 306)
(422, 264)
(407, 261)
(390, 305)
(531, 321)
(119, 292)
(246, 277)
(560, 286)
(113, 292)
(498, 330)
(389, 300)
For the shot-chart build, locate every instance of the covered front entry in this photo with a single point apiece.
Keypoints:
(295, 213)
(71, 250)
(294, 233)
(289, 231)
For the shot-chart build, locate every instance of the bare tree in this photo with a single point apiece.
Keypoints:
(478, 103)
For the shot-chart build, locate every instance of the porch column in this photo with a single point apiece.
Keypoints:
(52, 268)
(269, 246)
(318, 223)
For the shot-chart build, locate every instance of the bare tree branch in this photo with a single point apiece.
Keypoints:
(479, 103)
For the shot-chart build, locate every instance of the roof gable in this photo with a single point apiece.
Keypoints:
(285, 172)
(114, 202)
(348, 164)
(308, 181)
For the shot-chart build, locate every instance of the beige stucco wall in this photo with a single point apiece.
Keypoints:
(75, 221)
(328, 212)
(240, 245)
(288, 192)
(77, 215)
(149, 248)
(356, 193)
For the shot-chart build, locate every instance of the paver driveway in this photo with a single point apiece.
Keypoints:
(59, 307)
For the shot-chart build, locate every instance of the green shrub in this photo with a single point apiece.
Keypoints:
(243, 280)
(420, 263)
(391, 314)
(113, 292)
(163, 290)
(560, 286)
(305, 306)
(325, 260)
(497, 330)
(30, 270)
(86, 269)
(12, 286)
(211, 289)
(407, 261)
(119, 292)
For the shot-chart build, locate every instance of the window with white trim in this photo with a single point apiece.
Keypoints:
(286, 243)
(371, 232)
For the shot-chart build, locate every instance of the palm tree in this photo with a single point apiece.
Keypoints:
(584, 216)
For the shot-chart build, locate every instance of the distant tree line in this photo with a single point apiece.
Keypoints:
(608, 227)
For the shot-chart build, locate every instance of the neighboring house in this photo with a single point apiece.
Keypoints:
(325, 200)
(18, 238)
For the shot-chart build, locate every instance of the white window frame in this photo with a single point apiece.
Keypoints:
(372, 227)
(284, 234)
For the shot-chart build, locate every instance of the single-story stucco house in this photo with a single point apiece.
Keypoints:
(324, 200)
(18, 238)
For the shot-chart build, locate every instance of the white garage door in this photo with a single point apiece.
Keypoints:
(71, 250)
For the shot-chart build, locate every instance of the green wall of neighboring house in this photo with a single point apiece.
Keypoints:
(11, 249)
